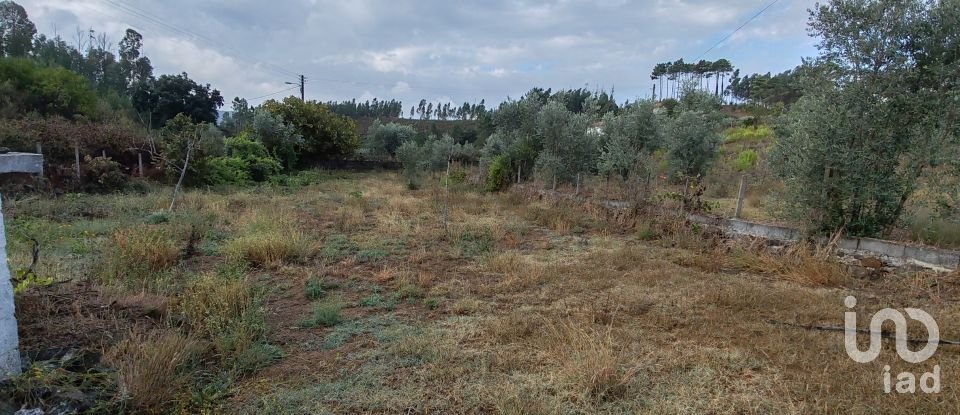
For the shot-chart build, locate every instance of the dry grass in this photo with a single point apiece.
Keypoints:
(799, 263)
(153, 368)
(518, 306)
(270, 239)
(591, 367)
(212, 302)
(518, 272)
(153, 247)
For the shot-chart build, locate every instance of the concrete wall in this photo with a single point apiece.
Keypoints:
(9, 354)
(895, 252)
(21, 163)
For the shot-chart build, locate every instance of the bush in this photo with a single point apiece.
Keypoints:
(313, 288)
(498, 174)
(746, 160)
(226, 170)
(103, 175)
(245, 161)
(691, 144)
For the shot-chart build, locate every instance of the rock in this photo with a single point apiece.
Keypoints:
(871, 262)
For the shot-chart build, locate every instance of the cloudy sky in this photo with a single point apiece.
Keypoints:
(438, 50)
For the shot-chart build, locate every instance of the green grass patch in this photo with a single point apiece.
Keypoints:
(475, 243)
(337, 247)
(324, 314)
(747, 134)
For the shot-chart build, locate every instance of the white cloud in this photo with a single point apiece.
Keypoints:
(408, 49)
(400, 59)
(400, 87)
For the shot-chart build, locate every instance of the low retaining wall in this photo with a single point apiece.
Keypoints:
(894, 252)
(21, 163)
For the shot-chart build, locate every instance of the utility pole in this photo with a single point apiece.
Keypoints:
(302, 81)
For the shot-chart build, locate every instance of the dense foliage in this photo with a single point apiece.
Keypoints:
(852, 151)
(325, 134)
(27, 87)
(165, 97)
(384, 139)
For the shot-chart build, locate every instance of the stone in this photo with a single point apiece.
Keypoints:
(871, 262)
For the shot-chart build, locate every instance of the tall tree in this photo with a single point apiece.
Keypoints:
(169, 95)
(135, 68)
(16, 30)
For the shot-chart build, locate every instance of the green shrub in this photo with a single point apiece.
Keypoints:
(747, 133)
(245, 161)
(313, 288)
(103, 175)
(324, 314)
(498, 174)
(226, 170)
(746, 160)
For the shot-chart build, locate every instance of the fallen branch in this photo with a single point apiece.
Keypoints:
(883, 334)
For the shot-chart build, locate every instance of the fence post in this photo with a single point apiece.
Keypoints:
(40, 152)
(9, 352)
(740, 193)
(578, 185)
(76, 158)
(140, 163)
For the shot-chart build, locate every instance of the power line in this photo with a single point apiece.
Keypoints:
(737, 30)
(274, 93)
(147, 17)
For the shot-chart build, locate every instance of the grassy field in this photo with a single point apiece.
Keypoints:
(348, 293)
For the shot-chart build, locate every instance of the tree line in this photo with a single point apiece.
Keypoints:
(677, 73)
(369, 108)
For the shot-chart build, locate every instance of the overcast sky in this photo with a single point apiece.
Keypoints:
(438, 50)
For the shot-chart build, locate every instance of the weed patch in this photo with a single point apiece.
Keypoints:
(323, 314)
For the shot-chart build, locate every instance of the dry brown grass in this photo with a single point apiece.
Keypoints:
(517, 307)
(800, 263)
(153, 368)
(270, 239)
(591, 367)
(150, 246)
(518, 273)
(211, 302)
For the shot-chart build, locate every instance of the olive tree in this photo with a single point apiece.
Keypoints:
(627, 138)
(878, 115)
(432, 155)
(382, 140)
(691, 143)
(568, 148)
